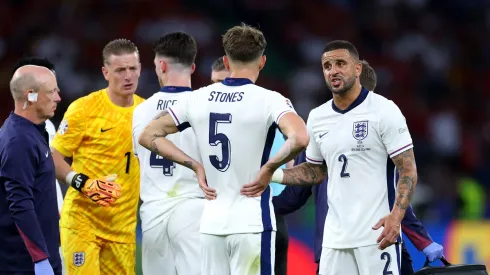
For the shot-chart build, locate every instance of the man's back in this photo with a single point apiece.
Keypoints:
(234, 122)
(164, 184)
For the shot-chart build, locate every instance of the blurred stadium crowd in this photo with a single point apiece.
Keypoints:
(431, 57)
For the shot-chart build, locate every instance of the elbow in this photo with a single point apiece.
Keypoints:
(142, 139)
(302, 141)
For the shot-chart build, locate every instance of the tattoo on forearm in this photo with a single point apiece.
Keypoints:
(161, 114)
(407, 170)
(304, 174)
(188, 164)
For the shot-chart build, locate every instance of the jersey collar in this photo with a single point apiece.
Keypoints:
(360, 99)
(229, 81)
(175, 89)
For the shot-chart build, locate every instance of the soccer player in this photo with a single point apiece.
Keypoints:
(172, 200)
(219, 71)
(294, 197)
(353, 136)
(28, 213)
(96, 133)
(234, 122)
(218, 74)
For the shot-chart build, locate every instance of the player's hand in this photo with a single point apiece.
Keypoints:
(209, 193)
(258, 186)
(103, 191)
(43, 268)
(433, 251)
(390, 233)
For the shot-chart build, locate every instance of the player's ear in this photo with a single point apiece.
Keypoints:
(105, 72)
(193, 68)
(358, 69)
(163, 66)
(226, 62)
(262, 62)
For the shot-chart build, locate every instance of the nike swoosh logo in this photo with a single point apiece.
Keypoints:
(321, 135)
(105, 130)
(47, 153)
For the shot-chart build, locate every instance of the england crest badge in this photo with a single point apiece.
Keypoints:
(78, 258)
(360, 129)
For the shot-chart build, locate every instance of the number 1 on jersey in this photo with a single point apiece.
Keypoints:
(216, 138)
(343, 172)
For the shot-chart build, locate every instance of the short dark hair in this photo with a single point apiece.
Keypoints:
(34, 60)
(218, 65)
(368, 77)
(342, 45)
(244, 43)
(118, 47)
(179, 46)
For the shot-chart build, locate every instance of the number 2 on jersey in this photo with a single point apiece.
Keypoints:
(343, 172)
(387, 256)
(216, 138)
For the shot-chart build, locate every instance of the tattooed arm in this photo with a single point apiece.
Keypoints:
(153, 139)
(295, 130)
(304, 174)
(407, 170)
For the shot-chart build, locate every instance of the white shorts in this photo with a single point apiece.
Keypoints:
(238, 254)
(173, 246)
(361, 261)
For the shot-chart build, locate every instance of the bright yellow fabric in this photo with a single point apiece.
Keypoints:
(98, 135)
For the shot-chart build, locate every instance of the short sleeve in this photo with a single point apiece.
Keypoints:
(394, 130)
(136, 126)
(179, 113)
(71, 130)
(313, 153)
(277, 106)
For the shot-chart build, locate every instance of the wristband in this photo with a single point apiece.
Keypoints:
(76, 181)
(278, 176)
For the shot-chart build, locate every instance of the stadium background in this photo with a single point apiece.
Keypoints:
(431, 57)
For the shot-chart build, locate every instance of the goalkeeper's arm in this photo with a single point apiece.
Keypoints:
(102, 191)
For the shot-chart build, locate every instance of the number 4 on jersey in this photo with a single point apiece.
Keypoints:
(157, 161)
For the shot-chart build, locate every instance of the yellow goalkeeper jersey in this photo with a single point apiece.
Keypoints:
(97, 134)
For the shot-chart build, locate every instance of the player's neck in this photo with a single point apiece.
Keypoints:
(27, 114)
(178, 80)
(344, 100)
(248, 73)
(121, 101)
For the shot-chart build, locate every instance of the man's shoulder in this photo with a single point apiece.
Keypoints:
(321, 111)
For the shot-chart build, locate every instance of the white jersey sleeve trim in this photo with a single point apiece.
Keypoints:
(314, 161)
(174, 117)
(401, 150)
(281, 115)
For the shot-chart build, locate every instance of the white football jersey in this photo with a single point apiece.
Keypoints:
(235, 123)
(357, 144)
(51, 133)
(164, 184)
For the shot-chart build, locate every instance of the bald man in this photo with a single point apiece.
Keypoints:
(29, 227)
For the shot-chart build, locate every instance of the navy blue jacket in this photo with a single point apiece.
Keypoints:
(29, 218)
(293, 198)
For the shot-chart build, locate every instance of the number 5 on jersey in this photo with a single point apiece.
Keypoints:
(216, 138)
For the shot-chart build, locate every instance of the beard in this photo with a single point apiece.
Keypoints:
(347, 85)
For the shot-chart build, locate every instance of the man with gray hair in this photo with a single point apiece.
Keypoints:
(28, 206)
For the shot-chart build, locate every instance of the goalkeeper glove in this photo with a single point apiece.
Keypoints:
(102, 191)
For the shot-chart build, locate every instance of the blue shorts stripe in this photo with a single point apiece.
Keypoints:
(265, 253)
(398, 258)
